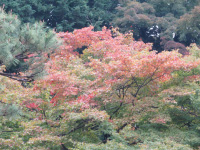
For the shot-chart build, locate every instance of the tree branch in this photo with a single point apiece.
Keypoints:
(116, 110)
(17, 77)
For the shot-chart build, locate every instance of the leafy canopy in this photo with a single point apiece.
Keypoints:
(117, 94)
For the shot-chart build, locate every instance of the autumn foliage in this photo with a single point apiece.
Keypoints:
(107, 64)
(105, 92)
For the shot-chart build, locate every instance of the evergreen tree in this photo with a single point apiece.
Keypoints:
(23, 48)
(65, 15)
(189, 27)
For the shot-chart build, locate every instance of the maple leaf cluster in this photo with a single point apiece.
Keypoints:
(108, 65)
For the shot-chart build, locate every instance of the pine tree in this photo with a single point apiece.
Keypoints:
(23, 47)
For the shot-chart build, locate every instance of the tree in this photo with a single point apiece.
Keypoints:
(143, 16)
(171, 45)
(64, 15)
(188, 27)
(24, 48)
(134, 16)
(142, 19)
(101, 13)
(164, 7)
(105, 73)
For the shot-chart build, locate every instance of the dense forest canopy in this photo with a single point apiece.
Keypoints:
(99, 74)
(65, 15)
(140, 16)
